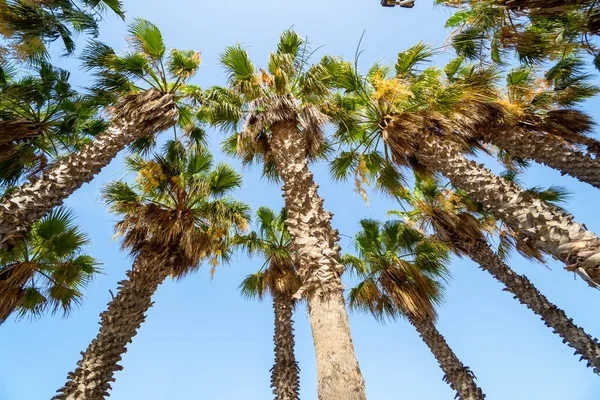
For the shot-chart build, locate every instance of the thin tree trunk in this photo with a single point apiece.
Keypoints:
(137, 116)
(285, 379)
(317, 253)
(118, 325)
(459, 377)
(527, 294)
(545, 227)
(548, 151)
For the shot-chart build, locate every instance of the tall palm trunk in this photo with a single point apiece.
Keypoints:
(458, 376)
(137, 116)
(285, 379)
(545, 227)
(118, 325)
(548, 151)
(317, 252)
(527, 294)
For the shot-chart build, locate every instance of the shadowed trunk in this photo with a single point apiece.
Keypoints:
(458, 376)
(527, 294)
(546, 150)
(13, 278)
(317, 253)
(285, 379)
(118, 325)
(14, 132)
(136, 116)
(545, 227)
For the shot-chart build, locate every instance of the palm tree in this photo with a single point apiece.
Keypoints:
(29, 26)
(427, 123)
(48, 270)
(41, 117)
(138, 114)
(277, 277)
(536, 119)
(458, 222)
(176, 215)
(537, 30)
(281, 108)
(401, 273)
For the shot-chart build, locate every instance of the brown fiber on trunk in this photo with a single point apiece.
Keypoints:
(315, 246)
(545, 227)
(135, 117)
(285, 379)
(526, 293)
(458, 376)
(118, 325)
(545, 149)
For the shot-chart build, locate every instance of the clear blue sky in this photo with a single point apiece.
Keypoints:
(201, 340)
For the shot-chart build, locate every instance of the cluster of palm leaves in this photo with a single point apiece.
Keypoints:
(409, 130)
(536, 30)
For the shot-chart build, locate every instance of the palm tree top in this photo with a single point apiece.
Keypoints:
(289, 90)
(182, 202)
(48, 270)
(147, 63)
(29, 26)
(384, 113)
(272, 242)
(401, 271)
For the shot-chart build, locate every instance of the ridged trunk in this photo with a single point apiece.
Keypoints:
(545, 227)
(458, 376)
(135, 117)
(546, 150)
(317, 253)
(527, 294)
(118, 325)
(285, 374)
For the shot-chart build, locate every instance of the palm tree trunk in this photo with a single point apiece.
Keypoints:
(527, 294)
(548, 151)
(285, 379)
(118, 325)
(545, 227)
(315, 246)
(458, 376)
(137, 116)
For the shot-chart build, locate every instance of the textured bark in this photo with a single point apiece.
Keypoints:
(458, 376)
(285, 379)
(548, 151)
(315, 246)
(545, 227)
(118, 325)
(527, 294)
(137, 116)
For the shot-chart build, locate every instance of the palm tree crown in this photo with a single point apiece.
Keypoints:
(272, 241)
(29, 26)
(147, 68)
(289, 89)
(537, 30)
(181, 203)
(400, 271)
(48, 270)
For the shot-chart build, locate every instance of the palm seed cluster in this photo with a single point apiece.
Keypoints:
(410, 130)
